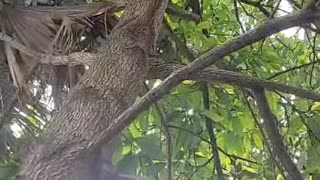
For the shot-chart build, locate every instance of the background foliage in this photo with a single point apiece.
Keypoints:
(176, 131)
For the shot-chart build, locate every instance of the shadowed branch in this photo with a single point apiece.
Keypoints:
(274, 136)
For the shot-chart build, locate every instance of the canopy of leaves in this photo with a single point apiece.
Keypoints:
(174, 136)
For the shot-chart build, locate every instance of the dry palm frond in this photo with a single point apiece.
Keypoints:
(52, 30)
(6, 86)
(38, 26)
(45, 30)
(16, 72)
(49, 30)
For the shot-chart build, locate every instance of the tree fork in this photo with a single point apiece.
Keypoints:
(102, 94)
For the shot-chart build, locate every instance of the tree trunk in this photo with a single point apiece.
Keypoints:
(109, 87)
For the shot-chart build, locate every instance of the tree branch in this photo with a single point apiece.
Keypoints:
(272, 155)
(205, 60)
(274, 135)
(257, 5)
(186, 15)
(210, 129)
(228, 77)
(180, 45)
(160, 70)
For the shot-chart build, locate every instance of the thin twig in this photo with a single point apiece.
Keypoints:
(236, 13)
(294, 108)
(274, 10)
(231, 156)
(257, 5)
(200, 166)
(292, 69)
(168, 137)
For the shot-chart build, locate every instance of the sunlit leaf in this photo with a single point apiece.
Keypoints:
(257, 140)
(315, 106)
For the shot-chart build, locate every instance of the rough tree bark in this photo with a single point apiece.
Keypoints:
(71, 147)
(111, 85)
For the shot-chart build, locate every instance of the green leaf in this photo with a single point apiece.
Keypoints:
(295, 125)
(234, 143)
(313, 165)
(301, 104)
(273, 100)
(257, 140)
(315, 106)
(280, 177)
(212, 115)
(128, 164)
(237, 126)
(134, 130)
(314, 125)
(204, 25)
(247, 142)
(154, 117)
(150, 145)
(246, 120)
(8, 170)
(155, 168)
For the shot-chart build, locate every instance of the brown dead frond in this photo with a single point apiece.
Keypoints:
(53, 30)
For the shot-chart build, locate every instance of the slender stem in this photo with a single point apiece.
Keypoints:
(263, 136)
(274, 136)
(168, 137)
(210, 128)
(231, 156)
